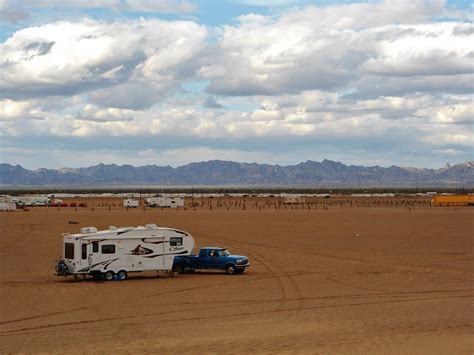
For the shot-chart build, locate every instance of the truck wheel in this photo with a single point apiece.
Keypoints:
(179, 268)
(109, 275)
(230, 269)
(122, 275)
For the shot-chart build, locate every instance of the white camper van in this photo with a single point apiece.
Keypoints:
(129, 203)
(115, 252)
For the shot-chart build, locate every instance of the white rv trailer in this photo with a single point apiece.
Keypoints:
(118, 251)
(165, 202)
(31, 200)
(130, 203)
(7, 206)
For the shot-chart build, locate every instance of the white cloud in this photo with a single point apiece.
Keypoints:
(93, 113)
(449, 139)
(164, 6)
(17, 110)
(423, 50)
(12, 15)
(335, 47)
(161, 6)
(64, 58)
(462, 113)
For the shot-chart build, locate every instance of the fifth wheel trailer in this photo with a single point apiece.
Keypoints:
(116, 252)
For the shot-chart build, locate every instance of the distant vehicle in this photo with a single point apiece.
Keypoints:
(7, 206)
(116, 252)
(38, 201)
(167, 202)
(129, 203)
(210, 258)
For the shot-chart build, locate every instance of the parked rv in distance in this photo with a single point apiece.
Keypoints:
(167, 202)
(129, 203)
(116, 252)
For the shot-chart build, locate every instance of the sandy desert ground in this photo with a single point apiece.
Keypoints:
(384, 278)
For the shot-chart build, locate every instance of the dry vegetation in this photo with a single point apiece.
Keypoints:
(343, 275)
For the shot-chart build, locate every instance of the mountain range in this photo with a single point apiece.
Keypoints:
(228, 173)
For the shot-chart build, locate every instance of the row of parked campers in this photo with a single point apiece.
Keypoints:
(115, 252)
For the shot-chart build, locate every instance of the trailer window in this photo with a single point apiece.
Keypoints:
(84, 250)
(68, 251)
(108, 249)
(95, 247)
(176, 241)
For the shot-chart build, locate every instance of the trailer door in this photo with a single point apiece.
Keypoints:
(94, 254)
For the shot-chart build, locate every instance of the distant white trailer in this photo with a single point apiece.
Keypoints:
(115, 252)
(167, 202)
(129, 203)
(177, 202)
(31, 200)
(7, 206)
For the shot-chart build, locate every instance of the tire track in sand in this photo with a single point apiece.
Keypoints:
(280, 275)
(21, 331)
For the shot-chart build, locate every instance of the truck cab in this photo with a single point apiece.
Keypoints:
(212, 258)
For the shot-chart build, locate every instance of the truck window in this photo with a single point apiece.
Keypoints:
(202, 253)
(176, 241)
(68, 251)
(95, 247)
(108, 249)
(84, 250)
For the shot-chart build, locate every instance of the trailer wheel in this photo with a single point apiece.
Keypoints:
(230, 269)
(122, 275)
(109, 275)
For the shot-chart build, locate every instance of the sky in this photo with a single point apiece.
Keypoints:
(171, 82)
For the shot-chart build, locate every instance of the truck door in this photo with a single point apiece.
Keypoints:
(203, 261)
(210, 260)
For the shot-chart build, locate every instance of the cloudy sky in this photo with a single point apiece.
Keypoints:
(169, 82)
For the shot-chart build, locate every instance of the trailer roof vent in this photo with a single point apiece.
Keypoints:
(88, 230)
(112, 228)
(151, 226)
